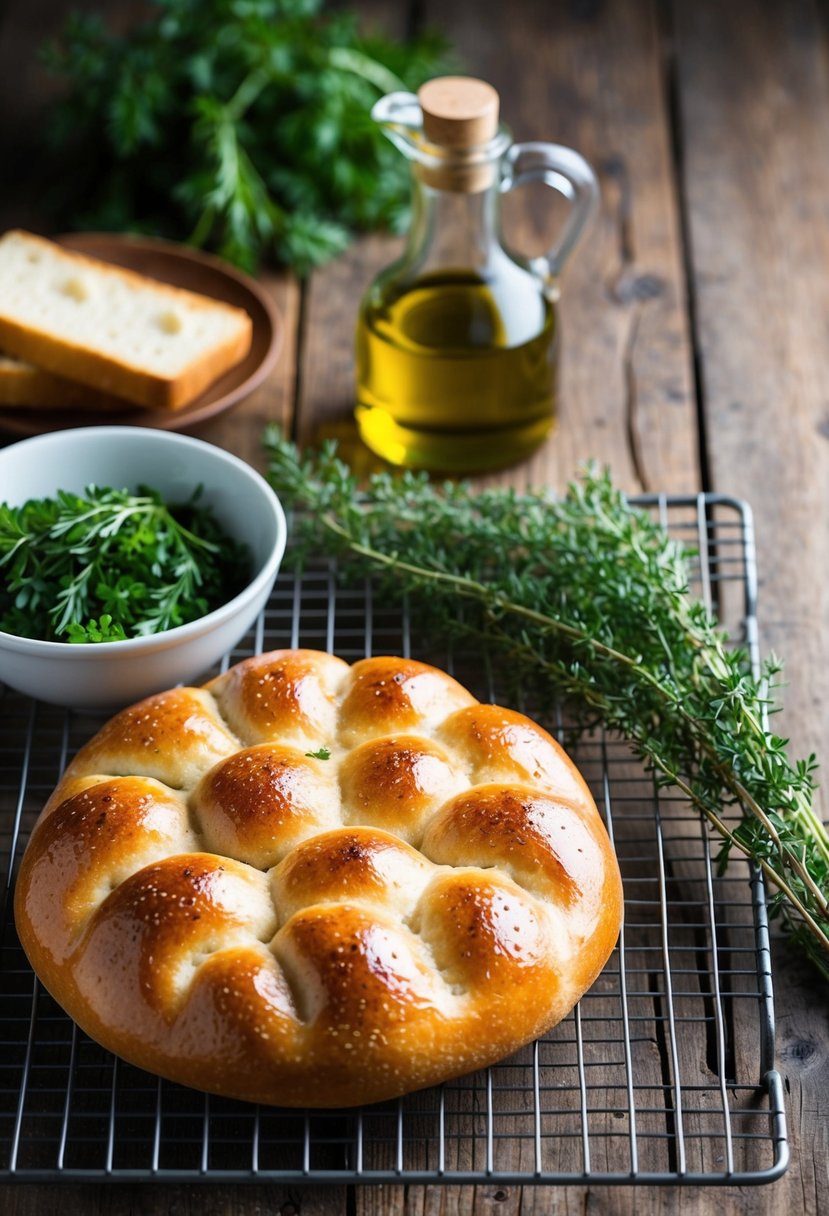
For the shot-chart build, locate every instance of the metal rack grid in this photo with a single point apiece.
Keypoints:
(664, 1073)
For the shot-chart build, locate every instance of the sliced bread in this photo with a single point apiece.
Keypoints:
(24, 386)
(113, 329)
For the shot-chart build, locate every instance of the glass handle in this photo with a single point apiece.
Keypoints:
(565, 171)
(399, 114)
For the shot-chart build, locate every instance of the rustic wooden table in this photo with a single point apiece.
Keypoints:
(696, 356)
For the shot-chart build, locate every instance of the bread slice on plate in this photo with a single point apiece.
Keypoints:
(24, 386)
(113, 329)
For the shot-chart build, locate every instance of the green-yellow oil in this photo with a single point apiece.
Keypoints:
(455, 374)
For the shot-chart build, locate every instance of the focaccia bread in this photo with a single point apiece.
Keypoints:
(309, 883)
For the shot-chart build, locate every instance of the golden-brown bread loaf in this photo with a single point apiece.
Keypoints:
(309, 883)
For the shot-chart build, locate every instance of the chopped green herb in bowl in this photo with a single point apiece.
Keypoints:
(106, 565)
(170, 578)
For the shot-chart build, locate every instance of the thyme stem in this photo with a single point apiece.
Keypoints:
(588, 599)
(469, 587)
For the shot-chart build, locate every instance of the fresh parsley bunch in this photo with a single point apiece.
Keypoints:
(242, 125)
(107, 565)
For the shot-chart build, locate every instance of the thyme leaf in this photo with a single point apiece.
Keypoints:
(586, 599)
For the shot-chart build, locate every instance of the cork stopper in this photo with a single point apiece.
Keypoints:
(460, 115)
(458, 111)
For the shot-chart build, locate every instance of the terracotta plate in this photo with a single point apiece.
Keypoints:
(183, 267)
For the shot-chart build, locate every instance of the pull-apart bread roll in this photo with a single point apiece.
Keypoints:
(309, 883)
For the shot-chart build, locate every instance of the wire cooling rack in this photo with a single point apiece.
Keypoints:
(664, 1072)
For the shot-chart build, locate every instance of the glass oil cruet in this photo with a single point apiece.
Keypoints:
(457, 341)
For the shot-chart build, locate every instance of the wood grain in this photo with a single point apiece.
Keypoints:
(241, 430)
(707, 124)
(564, 75)
(200, 1200)
(754, 94)
(754, 97)
(27, 88)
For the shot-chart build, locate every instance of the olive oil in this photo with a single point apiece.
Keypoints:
(457, 340)
(456, 371)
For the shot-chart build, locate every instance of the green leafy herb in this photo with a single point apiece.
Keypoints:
(586, 598)
(108, 564)
(105, 629)
(321, 754)
(239, 124)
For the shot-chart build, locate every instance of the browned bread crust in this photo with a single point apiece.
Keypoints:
(215, 904)
(28, 387)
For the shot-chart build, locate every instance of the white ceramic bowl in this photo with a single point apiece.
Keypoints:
(111, 674)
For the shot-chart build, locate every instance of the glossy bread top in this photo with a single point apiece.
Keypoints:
(316, 884)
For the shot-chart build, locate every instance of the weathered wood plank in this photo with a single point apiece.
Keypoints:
(241, 429)
(753, 102)
(201, 1200)
(754, 96)
(565, 74)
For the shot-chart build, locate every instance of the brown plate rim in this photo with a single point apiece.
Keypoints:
(265, 316)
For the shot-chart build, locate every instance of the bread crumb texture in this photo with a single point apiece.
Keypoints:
(214, 901)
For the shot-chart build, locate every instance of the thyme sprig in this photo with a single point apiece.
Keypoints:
(588, 599)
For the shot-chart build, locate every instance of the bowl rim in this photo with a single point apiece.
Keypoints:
(167, 637)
